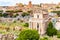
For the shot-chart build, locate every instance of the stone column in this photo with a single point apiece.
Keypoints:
(30, 26)
(42, 27)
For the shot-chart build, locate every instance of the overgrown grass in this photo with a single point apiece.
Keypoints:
(11, 25)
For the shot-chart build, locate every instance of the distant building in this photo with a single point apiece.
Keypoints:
(47, 6)
(30, 4)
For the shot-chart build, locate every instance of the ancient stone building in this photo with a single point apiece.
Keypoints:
(38, 21)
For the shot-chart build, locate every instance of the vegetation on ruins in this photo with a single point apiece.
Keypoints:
(57, 7)
(18, 11)
(9, 11)
(1, 11)
(26, 24)
(14, 11)
(58, 34)
(25, 14)
(29, 11)
(58, 12)
(0, 14)
(44, 38)
(5, 15)
(15, 15)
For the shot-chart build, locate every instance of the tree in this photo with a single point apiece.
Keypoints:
(18, 11)
(15, 15)
(26, 24)
(28, 35)
(25, 14)
(1, 11)
(58, 12)
(5, 15)
(29, 11)
(10, 11)
(57, 7)
(0, 14)
(51, 29)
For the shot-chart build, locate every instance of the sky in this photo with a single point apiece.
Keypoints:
(13, 2)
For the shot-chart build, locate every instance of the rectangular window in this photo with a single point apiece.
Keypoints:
(37, 16)
(38, 26)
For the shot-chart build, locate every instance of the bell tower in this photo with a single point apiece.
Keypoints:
(29, 4)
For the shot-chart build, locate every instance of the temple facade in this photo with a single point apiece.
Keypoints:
(37, 22)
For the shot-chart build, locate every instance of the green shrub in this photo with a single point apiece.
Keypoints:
(18, 11)
(14, 22)
(11, 11)
(28, 35)
(4, 15)
(45, 38)
(26, 24)
(58, 34)
(0, 14)
(58, 12)
(25, 14)
(1, 11)
(15, 15)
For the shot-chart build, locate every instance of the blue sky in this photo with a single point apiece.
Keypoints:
(13, 2)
